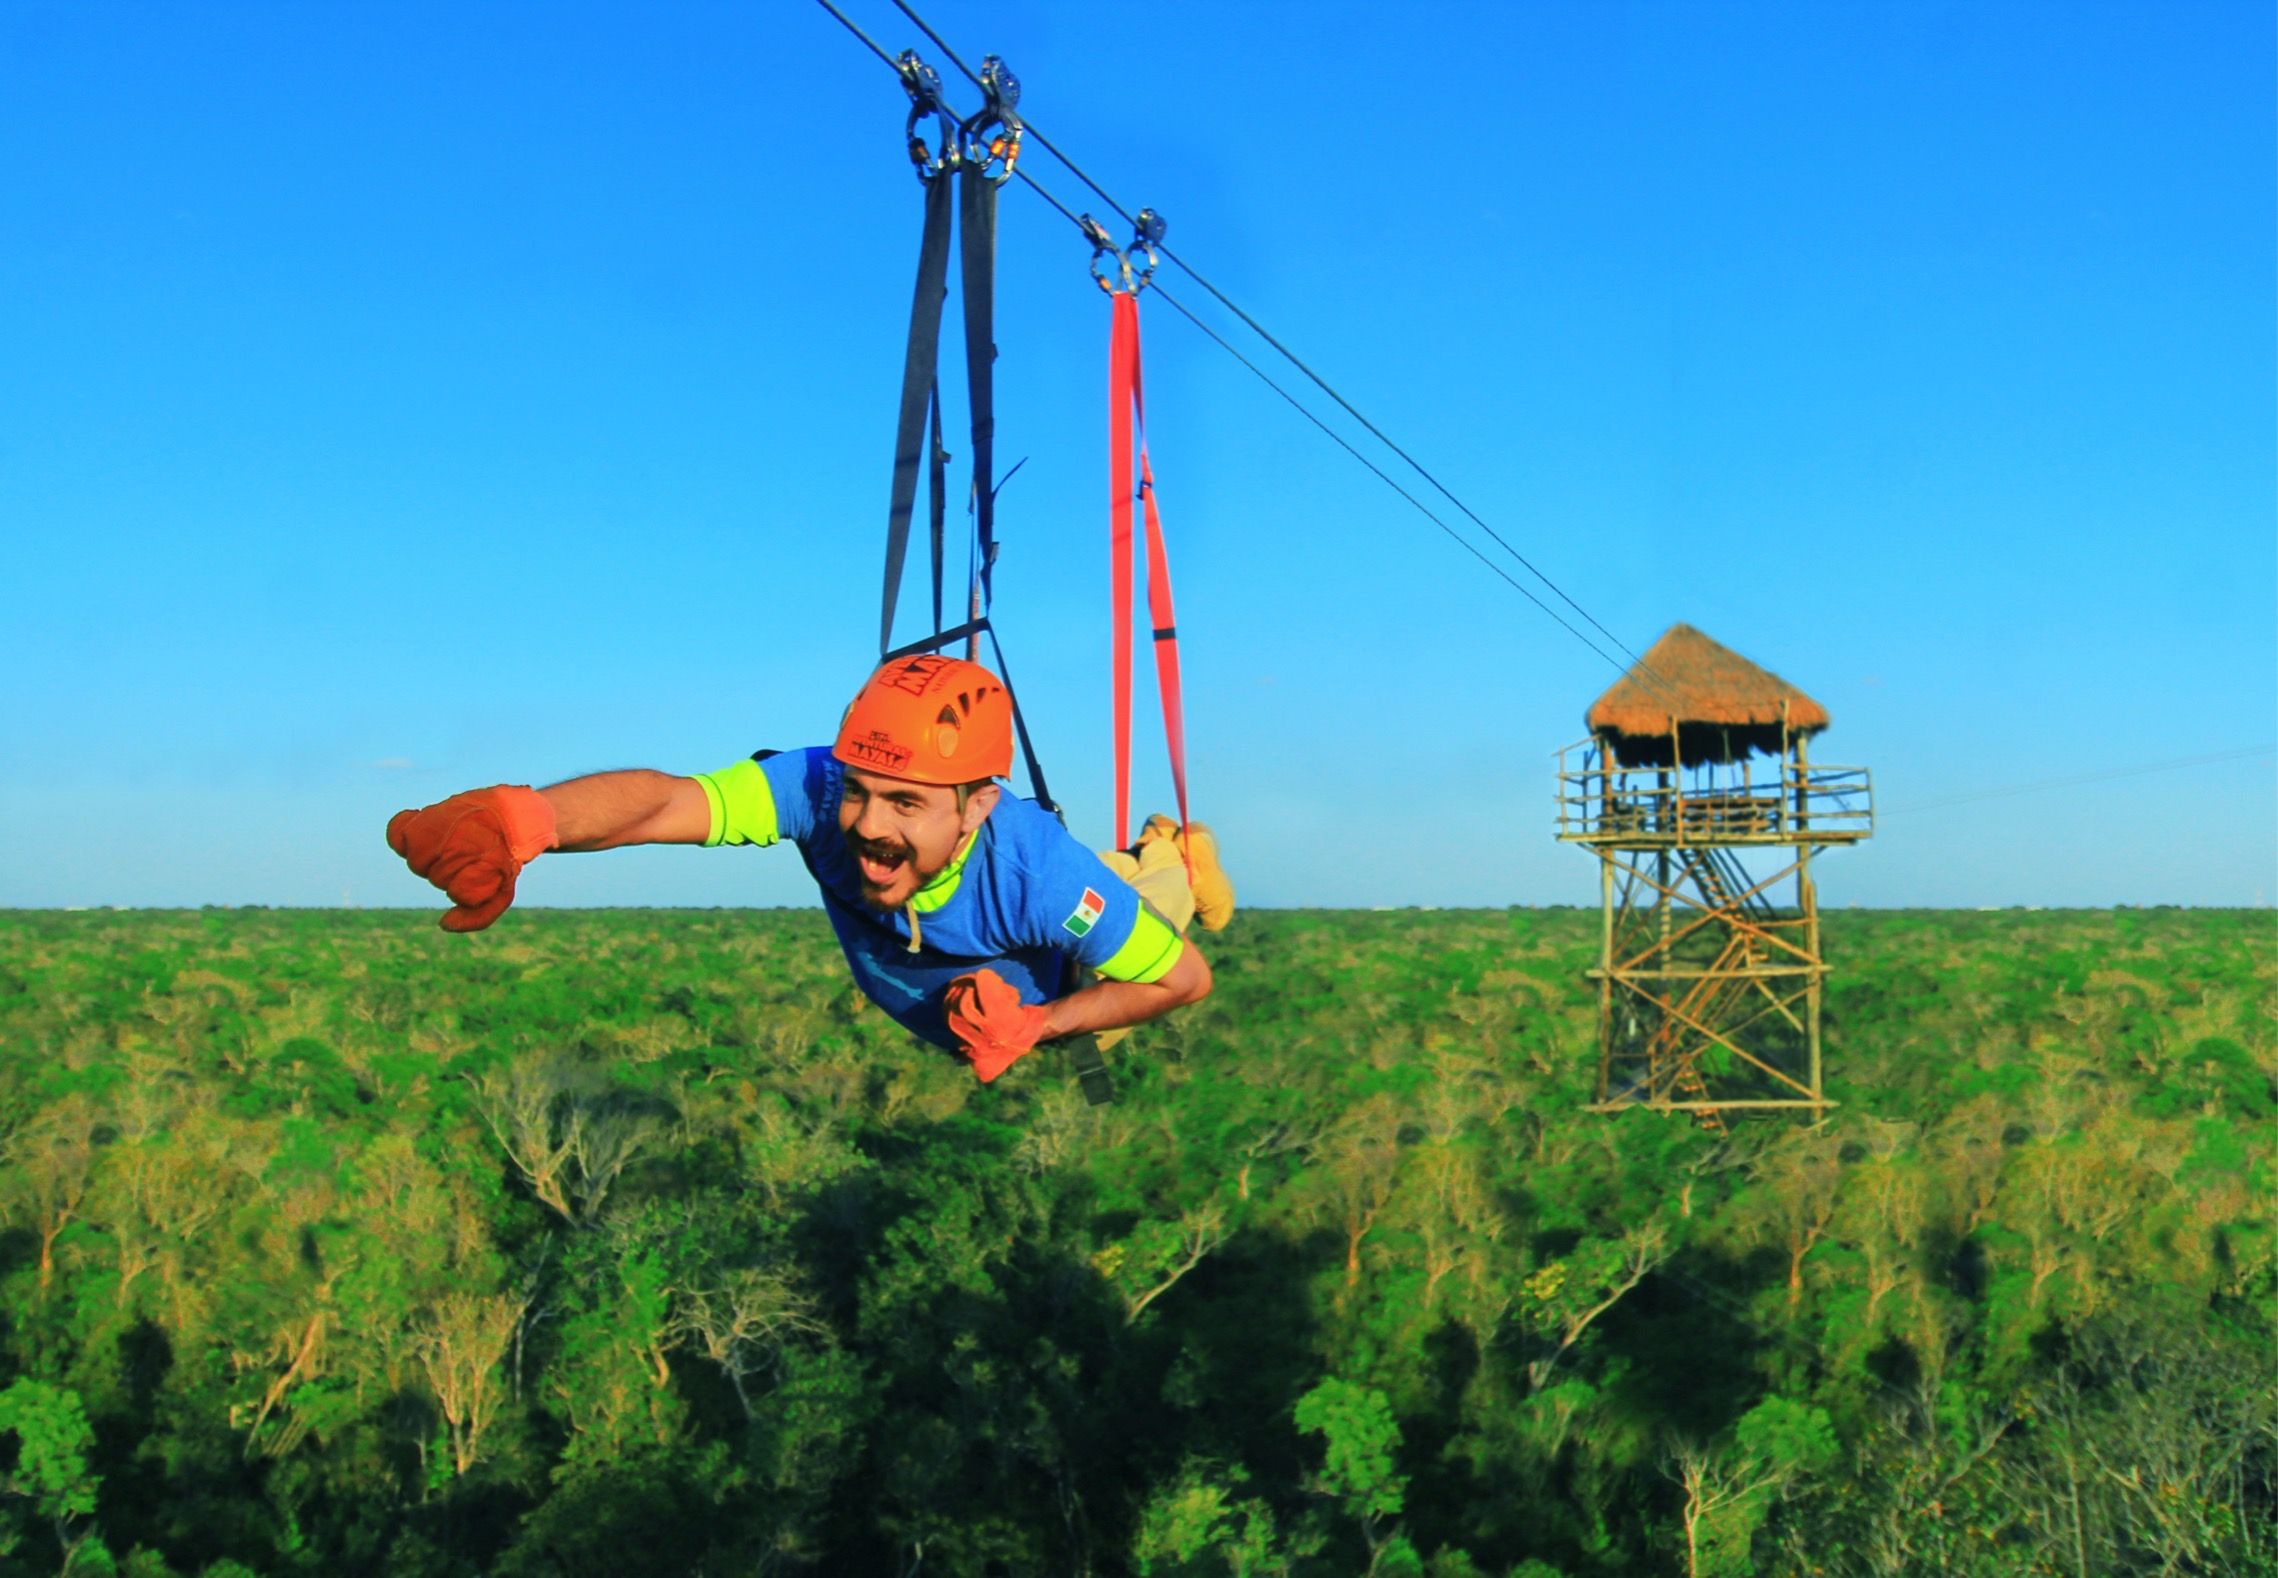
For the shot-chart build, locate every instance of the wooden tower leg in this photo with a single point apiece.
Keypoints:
(1606, 978)
(1664, 988)
(1807, 899)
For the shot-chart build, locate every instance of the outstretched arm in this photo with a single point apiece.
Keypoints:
(633, 806)
(474, 845)
(1110, 1005)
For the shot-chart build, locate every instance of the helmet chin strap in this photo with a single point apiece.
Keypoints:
(910, 904)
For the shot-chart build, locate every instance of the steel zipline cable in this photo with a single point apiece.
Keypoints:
(1630, 663)
(1266, 335)
(1345, 444)
(850, 25)
(1335, 437)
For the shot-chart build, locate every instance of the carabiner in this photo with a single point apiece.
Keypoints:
(1146, 234)
(1125, 279)
(998, 114)
(923, 84)
(1103, 246)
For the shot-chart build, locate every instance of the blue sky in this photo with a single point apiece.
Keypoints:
(397, 400)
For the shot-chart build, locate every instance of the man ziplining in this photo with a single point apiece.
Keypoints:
(965, 913)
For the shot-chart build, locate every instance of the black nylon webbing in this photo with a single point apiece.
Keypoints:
(1043, 795)
(918, 370)
(937, 491)
(920, 423)
(1091, 1069)
(936, 641)
(977, 262)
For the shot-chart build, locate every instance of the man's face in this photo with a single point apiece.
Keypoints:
(902, 834)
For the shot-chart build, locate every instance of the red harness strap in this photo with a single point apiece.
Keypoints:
(1122, 362)
(1127, 412)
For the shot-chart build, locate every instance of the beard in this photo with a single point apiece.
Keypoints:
(886, 868)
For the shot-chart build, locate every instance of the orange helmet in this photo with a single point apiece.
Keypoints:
(931, 719)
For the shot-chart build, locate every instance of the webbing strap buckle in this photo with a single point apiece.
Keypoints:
(923, 84)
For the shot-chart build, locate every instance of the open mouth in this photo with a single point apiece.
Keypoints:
(880, 864)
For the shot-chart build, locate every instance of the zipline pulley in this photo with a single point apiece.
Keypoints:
(990, 136)
(923, 84)
(1145, 237)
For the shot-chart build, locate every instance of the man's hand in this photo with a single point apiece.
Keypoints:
(991, 1023)
(473, 846)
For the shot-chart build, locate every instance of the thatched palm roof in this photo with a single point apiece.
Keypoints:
(1721, 704)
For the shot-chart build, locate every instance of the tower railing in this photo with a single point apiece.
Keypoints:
(1710, 803)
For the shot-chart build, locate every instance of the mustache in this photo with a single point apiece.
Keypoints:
(880, 849)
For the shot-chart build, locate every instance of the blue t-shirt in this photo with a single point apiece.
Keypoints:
(1027, 900)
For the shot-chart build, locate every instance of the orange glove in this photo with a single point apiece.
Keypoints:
(990, 1021)
(473, 846)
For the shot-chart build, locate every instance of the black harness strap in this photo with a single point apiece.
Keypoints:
(936, 641)
(918, 395)
(920, 418)
(937, 492)
(1043, 795)
(1091, 1069)
(977, 263)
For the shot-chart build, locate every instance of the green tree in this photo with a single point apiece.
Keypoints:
(1731, 1487)
(1360, 1464)
(1200, 1523)
(53, 1440)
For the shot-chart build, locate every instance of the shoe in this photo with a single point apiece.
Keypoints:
(1199, 848)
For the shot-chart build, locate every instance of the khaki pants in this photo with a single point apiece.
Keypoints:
(1158, 871)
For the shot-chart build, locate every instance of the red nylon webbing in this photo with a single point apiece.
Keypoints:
(1159, 609)
(1122, 370)
(1127, 410)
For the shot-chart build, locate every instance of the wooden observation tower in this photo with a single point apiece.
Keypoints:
(1697, 793)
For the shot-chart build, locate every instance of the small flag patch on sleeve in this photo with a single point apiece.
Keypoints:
(1085, 915)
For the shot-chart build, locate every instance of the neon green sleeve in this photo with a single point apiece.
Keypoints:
(1148, 954)
(743, 807)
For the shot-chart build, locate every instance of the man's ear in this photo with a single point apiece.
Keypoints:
(978, 804)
